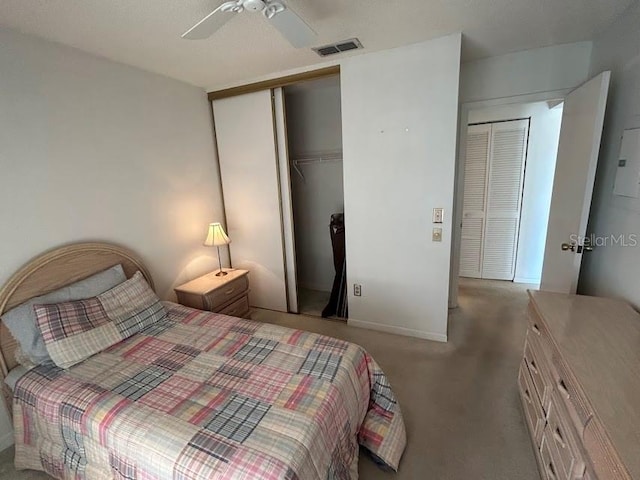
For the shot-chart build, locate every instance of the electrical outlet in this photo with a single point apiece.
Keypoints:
(357, 290)
(436, 235)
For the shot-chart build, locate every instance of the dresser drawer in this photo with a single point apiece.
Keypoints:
(226, 294)
(532, 409)
(539, 369)
(239, 308)
(536, 325)
(548, 463)
(573, 400)
(564, 441)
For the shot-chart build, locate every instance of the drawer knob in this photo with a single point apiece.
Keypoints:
(536, 329)
(557, 434)
(551, 471)
(563, 388)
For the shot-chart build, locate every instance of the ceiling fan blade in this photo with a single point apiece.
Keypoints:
(209, 24)
(293, 28)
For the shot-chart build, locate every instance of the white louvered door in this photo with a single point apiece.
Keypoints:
(504, 198)
(473, 209)
(493, 182)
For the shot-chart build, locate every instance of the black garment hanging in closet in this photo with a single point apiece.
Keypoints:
(338, 300)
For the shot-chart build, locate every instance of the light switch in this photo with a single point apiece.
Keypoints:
(628, 174)
(438, 215)
(436, 236)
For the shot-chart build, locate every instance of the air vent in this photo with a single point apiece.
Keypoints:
(338, 47)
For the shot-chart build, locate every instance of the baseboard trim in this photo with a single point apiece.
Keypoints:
(407, 332)
(526, 280)
(6, 441)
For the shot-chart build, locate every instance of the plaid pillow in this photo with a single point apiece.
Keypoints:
(73, 331)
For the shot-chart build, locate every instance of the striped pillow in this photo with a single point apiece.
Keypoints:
(73, 331)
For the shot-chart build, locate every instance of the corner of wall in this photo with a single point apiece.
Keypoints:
(611, 270)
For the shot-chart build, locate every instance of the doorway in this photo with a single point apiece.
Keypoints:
(314, 137)
(509, 166)
(566, 215)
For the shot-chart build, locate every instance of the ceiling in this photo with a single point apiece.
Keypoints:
(146, 33)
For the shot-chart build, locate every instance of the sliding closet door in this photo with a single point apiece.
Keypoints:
(250, 183)
(288, 235)
(504, 198)
(473, 205)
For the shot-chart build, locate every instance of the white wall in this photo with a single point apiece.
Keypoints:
(523, 73)
(399, 120)
(95, 150)
(544, 133)
(613, 271)
(314, 125)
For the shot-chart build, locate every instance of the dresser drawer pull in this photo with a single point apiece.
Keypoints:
(557, 434)
(230, 291)
(536, 329)
(534, 367)
(563, 388)
(527, 395)
(551, 471)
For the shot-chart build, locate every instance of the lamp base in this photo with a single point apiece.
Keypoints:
(221, 273)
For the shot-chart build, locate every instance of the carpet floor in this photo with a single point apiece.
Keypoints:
(459, 399)
(312, 302)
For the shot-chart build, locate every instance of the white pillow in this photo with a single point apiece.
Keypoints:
(21, 320)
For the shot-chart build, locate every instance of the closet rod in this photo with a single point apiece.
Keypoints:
(317, 158)
(310, 159)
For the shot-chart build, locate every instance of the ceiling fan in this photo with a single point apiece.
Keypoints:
(290, 25)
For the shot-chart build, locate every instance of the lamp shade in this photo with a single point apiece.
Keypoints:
(216, 236)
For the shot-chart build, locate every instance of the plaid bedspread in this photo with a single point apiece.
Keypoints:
(205, 396)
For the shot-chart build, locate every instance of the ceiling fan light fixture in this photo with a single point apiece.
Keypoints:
(253, 5)
(272, 9)
(233, 6)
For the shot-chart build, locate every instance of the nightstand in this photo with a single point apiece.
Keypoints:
(228, 294)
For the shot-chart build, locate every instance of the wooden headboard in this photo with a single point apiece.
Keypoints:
(55, 269)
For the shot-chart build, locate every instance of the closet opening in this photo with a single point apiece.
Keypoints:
(506, 194)
(314, 143)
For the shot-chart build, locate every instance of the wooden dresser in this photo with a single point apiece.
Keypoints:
(580, 386)
(228, 294)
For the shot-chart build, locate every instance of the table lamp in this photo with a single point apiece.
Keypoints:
(215, 238)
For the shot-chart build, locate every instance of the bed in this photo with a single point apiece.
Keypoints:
(195, 395)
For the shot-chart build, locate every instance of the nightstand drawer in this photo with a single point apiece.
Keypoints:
(239, 308)
(225, 294)
(215, 293)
